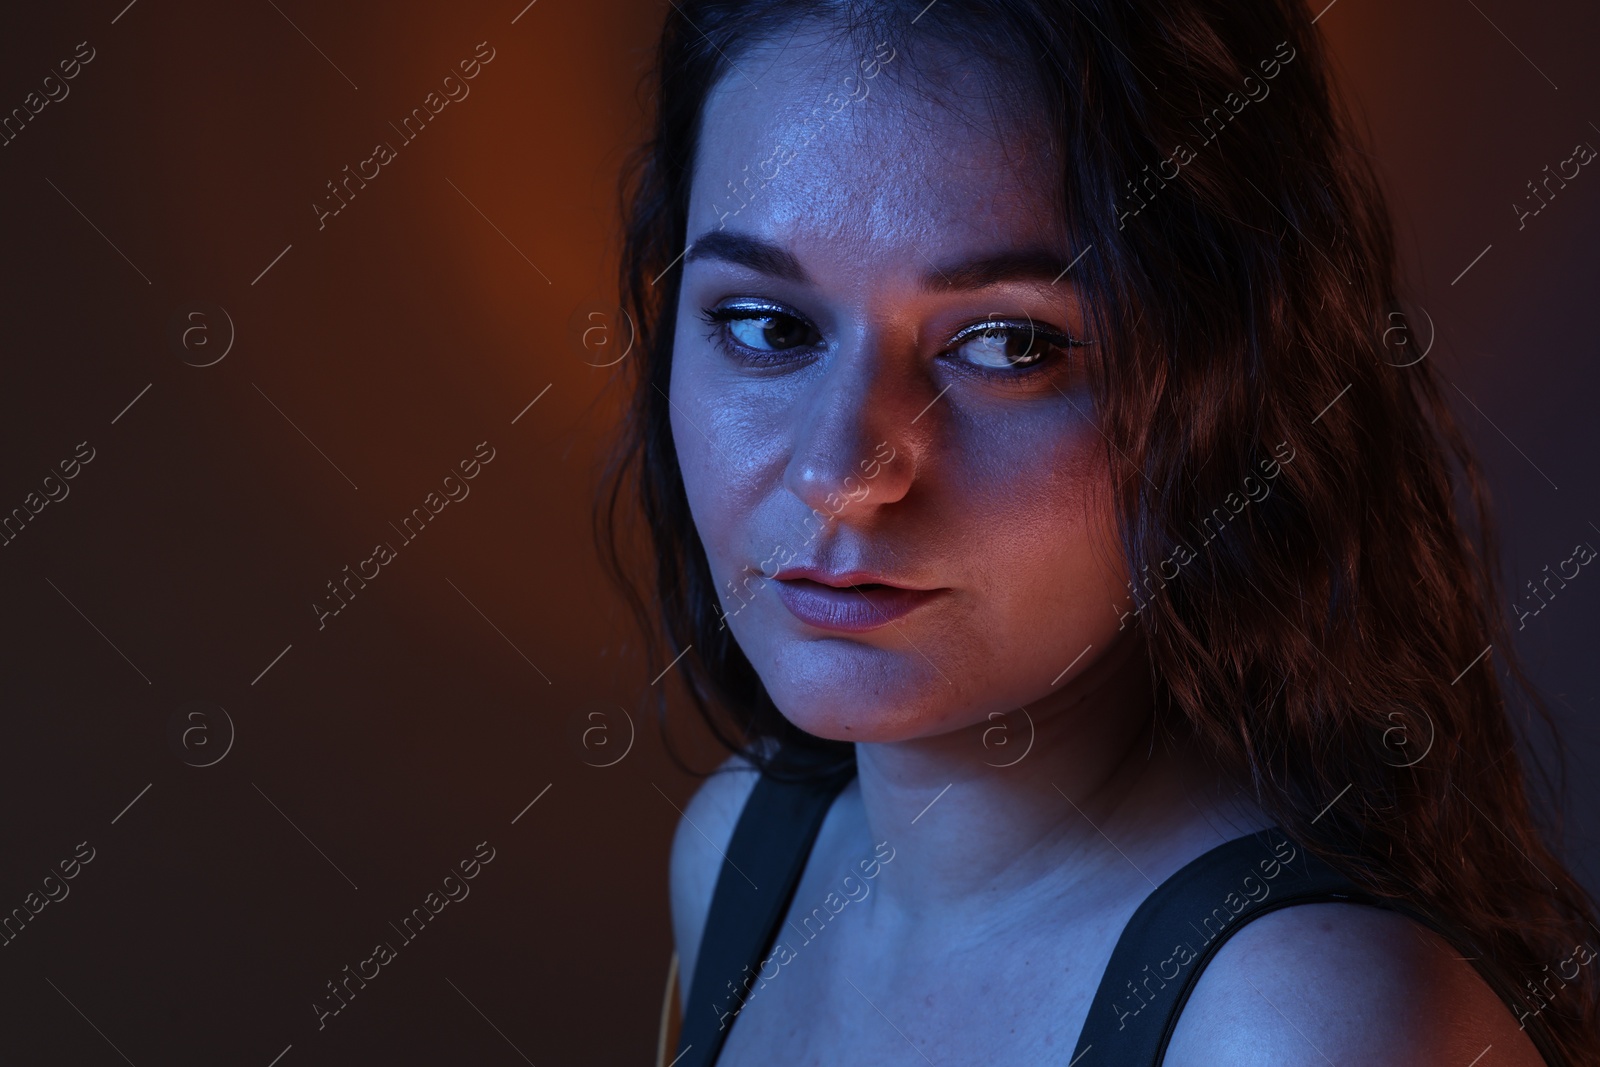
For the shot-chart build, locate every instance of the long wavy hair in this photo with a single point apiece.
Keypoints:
(1336, 645)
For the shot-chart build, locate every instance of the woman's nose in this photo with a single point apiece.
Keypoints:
(852, 436)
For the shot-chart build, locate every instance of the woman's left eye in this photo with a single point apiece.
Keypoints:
(1002, 347)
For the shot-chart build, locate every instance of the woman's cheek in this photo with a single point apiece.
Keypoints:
(1054, 505)
(699, 459)
(722, 455)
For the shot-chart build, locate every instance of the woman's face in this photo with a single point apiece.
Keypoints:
(871, 402)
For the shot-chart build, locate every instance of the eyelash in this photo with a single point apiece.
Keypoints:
(718, 319)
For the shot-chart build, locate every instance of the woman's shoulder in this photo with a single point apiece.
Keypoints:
(698, 846)
(1344, 983)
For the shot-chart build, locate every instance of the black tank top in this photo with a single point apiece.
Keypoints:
(1153, 968)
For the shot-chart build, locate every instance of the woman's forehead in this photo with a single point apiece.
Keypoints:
(810, 141)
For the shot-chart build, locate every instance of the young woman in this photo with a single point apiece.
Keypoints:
(1045, 522)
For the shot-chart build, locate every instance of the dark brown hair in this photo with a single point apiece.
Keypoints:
(1335, 644)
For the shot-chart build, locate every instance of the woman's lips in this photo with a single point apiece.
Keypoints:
(852, 609)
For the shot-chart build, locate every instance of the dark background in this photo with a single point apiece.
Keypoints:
(375, 753)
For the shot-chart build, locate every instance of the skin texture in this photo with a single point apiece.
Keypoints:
(985, 937)
(992, 491)
(1347, 984)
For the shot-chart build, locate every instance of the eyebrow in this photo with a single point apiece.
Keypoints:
(766, 257)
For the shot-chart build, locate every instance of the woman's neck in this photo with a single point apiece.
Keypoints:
(1097, 808)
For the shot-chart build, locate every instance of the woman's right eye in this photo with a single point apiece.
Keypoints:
(759, 330)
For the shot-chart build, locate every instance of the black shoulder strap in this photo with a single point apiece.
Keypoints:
(1180, 926)
(770, 845)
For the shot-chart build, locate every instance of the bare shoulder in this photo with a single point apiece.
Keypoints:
(1344, 983)
(698, 845)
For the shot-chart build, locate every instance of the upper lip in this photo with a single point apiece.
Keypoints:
(840, 579)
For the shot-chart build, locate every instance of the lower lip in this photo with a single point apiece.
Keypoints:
(854, 609)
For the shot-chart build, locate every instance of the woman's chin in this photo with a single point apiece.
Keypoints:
(853, 719)
(843, 728)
